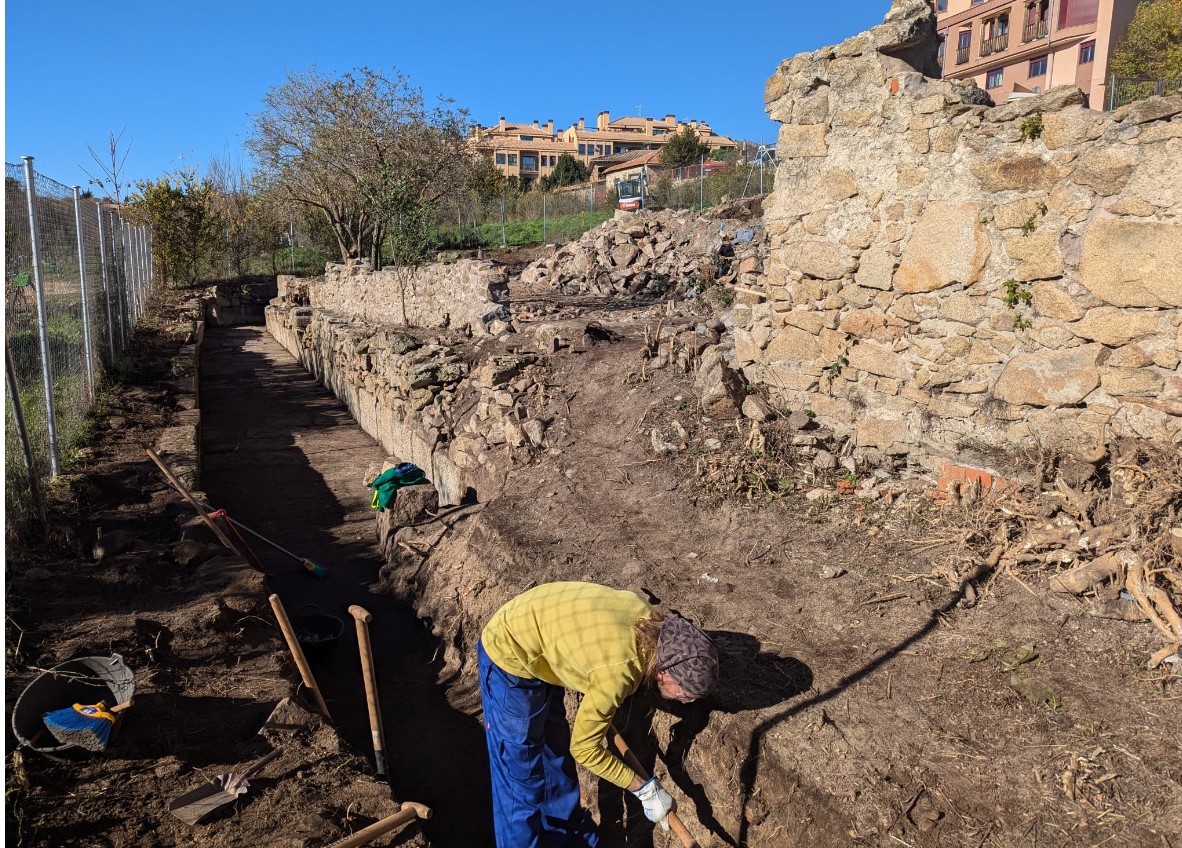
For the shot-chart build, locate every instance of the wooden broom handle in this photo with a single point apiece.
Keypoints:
(683, 834)
(409, 812)
(297, 654)
(217, 531)
(363, 617)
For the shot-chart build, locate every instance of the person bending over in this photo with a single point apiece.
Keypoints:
(603, 643)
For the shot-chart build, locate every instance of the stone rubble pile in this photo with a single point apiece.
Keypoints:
(655, 253)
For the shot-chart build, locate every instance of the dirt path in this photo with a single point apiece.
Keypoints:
(284, 457)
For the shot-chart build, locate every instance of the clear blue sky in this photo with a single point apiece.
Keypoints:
(185, 77)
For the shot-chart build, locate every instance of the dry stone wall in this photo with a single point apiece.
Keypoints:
(946, 273)
(463, 414)
(467, 295)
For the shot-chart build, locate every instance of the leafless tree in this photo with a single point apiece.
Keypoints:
(365, 149)
(111, 167)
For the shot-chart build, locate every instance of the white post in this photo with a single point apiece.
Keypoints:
(42, 317)
(106, 284)
(82, 286)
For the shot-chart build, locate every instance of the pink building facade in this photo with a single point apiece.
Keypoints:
(1013, 47)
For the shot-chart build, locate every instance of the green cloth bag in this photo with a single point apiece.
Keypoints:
(386, 485)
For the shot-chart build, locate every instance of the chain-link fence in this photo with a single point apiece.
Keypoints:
(1125, 90)
(76, 278)
(536, 217)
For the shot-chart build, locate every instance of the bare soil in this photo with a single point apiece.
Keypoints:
(863, 701)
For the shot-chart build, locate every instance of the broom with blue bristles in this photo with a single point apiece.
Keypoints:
(85, 725)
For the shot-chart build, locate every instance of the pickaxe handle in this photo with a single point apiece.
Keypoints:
(409, 812)
(363, 617)
(683, 834)
(297, 653)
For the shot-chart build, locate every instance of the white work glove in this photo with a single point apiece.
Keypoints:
(657, 802)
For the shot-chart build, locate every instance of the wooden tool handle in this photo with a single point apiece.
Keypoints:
(118, 708)
(217, 531)
(297, 654)
(683, 834)
(409, 812)
(259, 763)
(363, 618)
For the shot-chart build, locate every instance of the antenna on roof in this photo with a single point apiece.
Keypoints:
(639, 110)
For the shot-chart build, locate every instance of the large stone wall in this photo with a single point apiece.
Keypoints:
(461, 413)
(944, 273)
(468, 294)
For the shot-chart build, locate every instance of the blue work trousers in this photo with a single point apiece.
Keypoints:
(535, 789)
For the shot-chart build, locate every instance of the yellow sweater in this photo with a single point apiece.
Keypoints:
(579, 636)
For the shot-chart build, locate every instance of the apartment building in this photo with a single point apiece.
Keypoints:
(1021, 47)
(525, 151)
(530, 151)
(623, 135)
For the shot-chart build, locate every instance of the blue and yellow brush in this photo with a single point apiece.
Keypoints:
(85, 725)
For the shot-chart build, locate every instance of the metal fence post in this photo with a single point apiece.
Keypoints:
(106, 284)
(120, 276)
(543, 219)
(18, 412)
(1111, 92)
(42, 318)
(85, 296)
(139, 243)
(504, 238)
(702, 183)
(137, 257)
(129, 261)
(129, 292)
(148, 258)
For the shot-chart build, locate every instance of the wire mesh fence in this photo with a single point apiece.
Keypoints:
(536, 217)
(76, 277)
(1125, 90)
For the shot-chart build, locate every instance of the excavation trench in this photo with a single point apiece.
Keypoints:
(283, 456)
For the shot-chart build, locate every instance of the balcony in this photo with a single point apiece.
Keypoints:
(962, 55)
(1034, 30)
(996, 44)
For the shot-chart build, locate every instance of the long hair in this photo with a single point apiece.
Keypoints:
(647, 631)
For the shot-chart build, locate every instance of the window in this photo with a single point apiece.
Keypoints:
(529, 162)
(551, 161)
(1087, 52)
(500, 158)
(964, 40)
(607, 148)
(512, 159)
(527, 138)
(1038, 67)
(941, 5)
(582, 150)
(1078, 12)
(940, 51)
(993, 78)
(599, 150)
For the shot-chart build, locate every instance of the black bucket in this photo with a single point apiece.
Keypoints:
(86, 680)
(317, 632)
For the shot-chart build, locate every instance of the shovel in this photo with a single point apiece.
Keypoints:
(193, 807)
